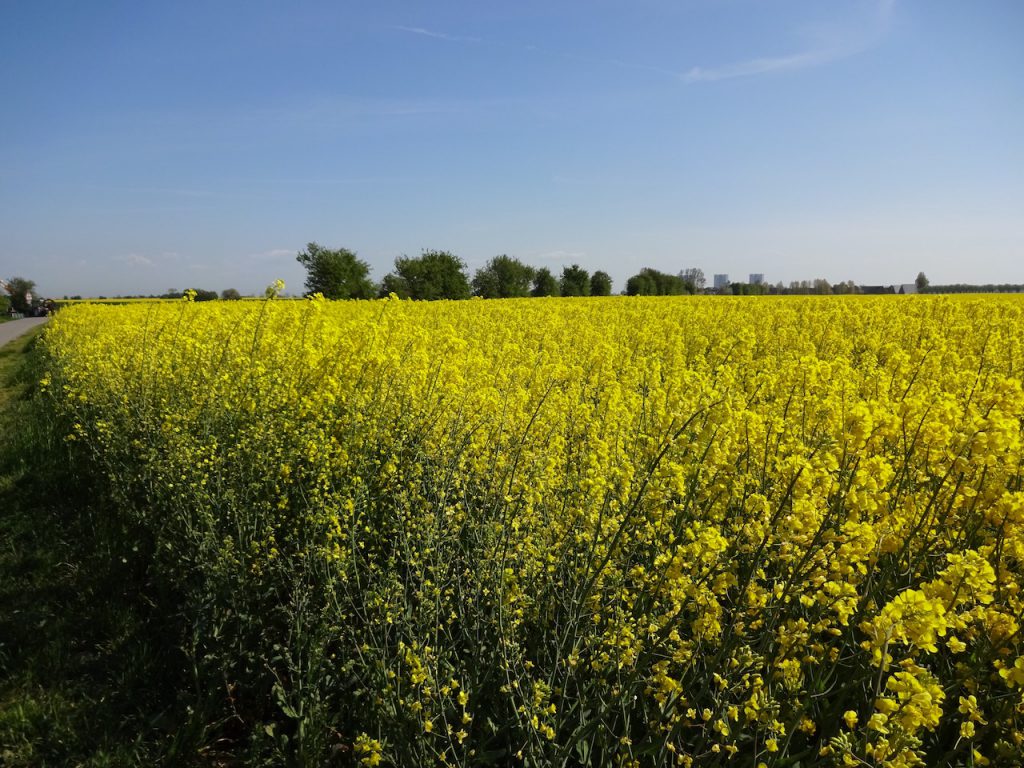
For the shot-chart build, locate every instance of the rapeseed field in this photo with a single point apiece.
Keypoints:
(624, 531)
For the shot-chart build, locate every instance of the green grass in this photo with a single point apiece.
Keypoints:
(81, 682)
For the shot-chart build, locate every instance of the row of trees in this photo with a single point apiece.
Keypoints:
(651, 282)
(198, 294)
(340, 274)
(819, 287)
(968, 288)
(201, 294)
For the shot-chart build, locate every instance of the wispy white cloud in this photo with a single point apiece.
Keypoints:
(535, 49)
(829, 43)
(832, 45)
(438, 35)
(763, 66)
(136, 260)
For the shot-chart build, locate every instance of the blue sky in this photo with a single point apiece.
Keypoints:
(147, 146)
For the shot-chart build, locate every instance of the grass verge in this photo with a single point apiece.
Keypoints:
(80, 683)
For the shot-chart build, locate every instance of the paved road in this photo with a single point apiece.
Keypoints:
(14, 329)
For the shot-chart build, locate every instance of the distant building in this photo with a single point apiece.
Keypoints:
(721, 281)
(756, 278)
(907, 288)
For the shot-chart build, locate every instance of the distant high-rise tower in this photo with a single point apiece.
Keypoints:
(721, 281)
(756, 278)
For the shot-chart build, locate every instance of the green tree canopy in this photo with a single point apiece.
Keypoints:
(19, 289)
(503, 277)
(544, 283)
(846, 287)
(921, 282)
(395, 284)
(641, 284)
(600, 284)
(230, 294)
(760, 289)
(203, 294)
(575, 281)
(651, 282)
(337, 274)
(433, 275)
(694, 276)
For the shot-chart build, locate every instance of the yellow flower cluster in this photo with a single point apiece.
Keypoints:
(627, 531)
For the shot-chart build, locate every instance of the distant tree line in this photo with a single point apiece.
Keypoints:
(340, 274)
(823, 287)
(434, 274)
(816, 287)
(966, 288)
(198, 294)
